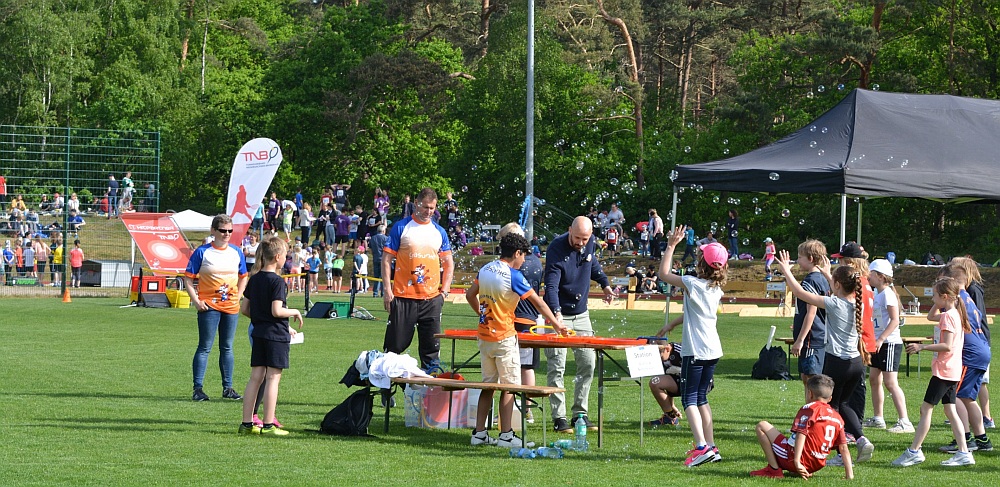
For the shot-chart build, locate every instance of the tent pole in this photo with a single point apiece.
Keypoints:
(860, 206)
(673, 213)
(843, 219)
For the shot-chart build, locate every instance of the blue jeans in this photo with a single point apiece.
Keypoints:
(208, 323)
(734, 249)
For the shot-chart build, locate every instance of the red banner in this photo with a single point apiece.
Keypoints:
(160, 241)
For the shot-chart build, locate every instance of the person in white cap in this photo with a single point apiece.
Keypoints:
(889, 343)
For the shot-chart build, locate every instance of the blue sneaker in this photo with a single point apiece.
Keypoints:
(988, 422)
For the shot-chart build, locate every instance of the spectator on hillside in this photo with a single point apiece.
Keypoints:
(112, 196)
(408, 207)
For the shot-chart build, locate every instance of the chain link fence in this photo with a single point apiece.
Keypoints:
(63, 184)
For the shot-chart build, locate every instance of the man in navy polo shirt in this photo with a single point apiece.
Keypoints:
(570, 266)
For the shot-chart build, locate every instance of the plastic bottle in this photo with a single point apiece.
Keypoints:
(522, 453)
(564, 444)
(549, 452)
(580, 428)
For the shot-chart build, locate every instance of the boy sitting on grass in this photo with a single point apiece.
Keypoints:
(816, 429)
(494, 296)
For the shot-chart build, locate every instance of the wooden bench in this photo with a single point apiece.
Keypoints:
(525, 393)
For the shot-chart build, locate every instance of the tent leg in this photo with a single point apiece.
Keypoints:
(843, 219)
(673, 213)
(860, 207)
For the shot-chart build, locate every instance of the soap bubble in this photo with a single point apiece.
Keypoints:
(548, 214)
(579, 165)
(586, 179)
(600, 150)
(578, 296)
(813, 143)
(820, 88)
(773, 177)
(840, 86)
(725, 151)
(690, 124)
(503, 186)
(474, 167)
(736, 201)
(905, 162)
(824, 130)
(812, 128)
(659, 143)
(715, 199)
(673, 175)
(746, 241)
(681, 189)
(687, 149)
(802, 222)
(875, 87)
(820, 153)
(755, 200)
(857, 199)
(725, 141)
(757, 211)
(465, 189)
(785, 213)
(810, 94)
(614, 181)
(736, 233)
(699, 188)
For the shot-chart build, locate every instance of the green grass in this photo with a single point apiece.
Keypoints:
(94, 394)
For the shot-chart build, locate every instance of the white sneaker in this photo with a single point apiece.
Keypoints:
(959, 459)
(874, 422)
(482, 438)
(901, 427)
(835, 461)
(508, 439)
(908, 458)
(865, 449)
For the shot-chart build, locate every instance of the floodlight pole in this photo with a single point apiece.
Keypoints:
(529, 153)
(860, 207)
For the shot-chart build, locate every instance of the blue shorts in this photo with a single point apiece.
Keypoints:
(352, 235)
(696, 380)
(972, 380)
(811, 362)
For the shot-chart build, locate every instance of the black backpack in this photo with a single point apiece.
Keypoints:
(351, 417)
(771, 365)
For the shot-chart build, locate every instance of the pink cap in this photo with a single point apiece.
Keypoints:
(715, 254)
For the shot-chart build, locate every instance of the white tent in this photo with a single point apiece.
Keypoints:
(190, 220)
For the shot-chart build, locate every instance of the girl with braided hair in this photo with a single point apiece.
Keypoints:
(846, 355)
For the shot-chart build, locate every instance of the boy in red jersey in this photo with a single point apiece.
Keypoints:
(816, 429)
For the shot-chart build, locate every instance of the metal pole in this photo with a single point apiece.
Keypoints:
(65, 229)
(673, 214)
(529, 153)
(860, 207)
(843, 219)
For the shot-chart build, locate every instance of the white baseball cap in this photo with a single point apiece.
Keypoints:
(881, 266)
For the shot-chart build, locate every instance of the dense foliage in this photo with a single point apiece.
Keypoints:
(399, 94)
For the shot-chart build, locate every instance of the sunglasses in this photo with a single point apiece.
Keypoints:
(224, 230)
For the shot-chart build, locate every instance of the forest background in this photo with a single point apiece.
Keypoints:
(401, 94)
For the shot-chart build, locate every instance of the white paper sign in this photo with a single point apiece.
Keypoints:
(299, 337)
(644, 361)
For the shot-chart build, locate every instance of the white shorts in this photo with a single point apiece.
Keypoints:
(500, 361)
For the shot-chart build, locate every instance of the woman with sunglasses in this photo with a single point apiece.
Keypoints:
(221, 270)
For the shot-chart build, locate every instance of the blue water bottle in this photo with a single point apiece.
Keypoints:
(580, 428)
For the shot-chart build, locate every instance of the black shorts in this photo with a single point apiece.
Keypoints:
(886, 358)
(940, 390)
(337, 272)
(268, 353)
(340, 239)
(529, 356)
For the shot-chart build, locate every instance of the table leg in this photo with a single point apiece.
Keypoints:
(388, 406)
(525, 407)
(907, 365)
(600, 398)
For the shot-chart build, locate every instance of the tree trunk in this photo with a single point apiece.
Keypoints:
(633, 74)
(189, 14)
(484, 26)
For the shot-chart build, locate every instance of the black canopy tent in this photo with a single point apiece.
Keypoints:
(873, 144)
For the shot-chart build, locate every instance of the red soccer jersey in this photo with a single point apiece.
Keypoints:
(824, 430)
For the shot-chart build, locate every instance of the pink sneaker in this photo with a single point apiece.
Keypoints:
(257, 422)
(277, 424)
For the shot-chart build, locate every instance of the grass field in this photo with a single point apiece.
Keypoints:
(97, 395)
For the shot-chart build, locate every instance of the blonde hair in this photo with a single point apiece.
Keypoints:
(813, 249)
(267, 250)
(971, 269)
(859, 264)
(511, 227)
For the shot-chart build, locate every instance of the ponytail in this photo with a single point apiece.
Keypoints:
(858, 313)
(964, 314)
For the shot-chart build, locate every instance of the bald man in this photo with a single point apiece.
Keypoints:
(570, 265)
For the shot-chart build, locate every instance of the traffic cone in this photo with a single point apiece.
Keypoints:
(66, 298)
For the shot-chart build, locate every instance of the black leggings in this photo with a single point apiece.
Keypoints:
(845, 374)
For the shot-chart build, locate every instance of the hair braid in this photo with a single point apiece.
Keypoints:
(858, 305)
